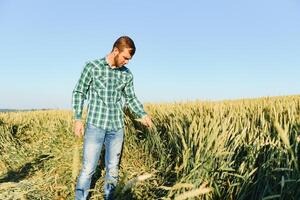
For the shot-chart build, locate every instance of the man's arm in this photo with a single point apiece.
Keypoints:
(79, 95)
(135, 105)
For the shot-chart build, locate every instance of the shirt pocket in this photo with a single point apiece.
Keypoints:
(100, 82)
(119, 84)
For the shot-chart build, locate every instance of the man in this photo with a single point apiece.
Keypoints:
(105, 83)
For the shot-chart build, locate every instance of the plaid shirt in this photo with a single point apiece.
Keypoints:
(105, 89)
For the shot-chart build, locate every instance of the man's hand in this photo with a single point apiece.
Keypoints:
(146, 120)
(78, 128)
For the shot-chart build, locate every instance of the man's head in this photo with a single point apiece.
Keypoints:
(123, 50)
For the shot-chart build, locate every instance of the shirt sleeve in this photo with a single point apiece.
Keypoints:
(132, 102)
(80, 91)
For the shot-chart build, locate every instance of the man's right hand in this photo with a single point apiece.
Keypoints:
(78, 128)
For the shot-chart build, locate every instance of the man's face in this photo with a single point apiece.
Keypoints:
(122, 58)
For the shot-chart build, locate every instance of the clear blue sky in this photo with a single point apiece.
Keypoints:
(186, 50)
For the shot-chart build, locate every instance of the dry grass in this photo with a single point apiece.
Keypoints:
(246, 149)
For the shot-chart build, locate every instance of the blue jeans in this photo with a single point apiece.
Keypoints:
(93, 141)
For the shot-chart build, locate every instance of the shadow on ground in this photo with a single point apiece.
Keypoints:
(25, 170)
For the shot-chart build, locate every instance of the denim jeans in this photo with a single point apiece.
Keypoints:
(93, 141)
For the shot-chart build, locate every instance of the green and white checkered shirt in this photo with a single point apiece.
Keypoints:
(105, 89)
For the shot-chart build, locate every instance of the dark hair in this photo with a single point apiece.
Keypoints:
(125, 42)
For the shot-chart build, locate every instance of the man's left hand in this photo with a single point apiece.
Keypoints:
(146, 120)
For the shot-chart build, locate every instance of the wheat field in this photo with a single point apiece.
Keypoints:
(241, 149)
